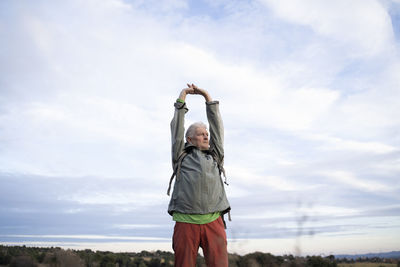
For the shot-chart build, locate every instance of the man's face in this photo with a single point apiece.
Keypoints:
(200, 138)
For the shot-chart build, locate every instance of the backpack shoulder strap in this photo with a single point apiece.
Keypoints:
(177, 167)
(220, 163)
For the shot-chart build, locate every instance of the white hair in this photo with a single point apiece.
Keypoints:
(190, 132)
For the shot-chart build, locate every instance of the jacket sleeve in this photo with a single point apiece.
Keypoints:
(216, 129)
(178, 131)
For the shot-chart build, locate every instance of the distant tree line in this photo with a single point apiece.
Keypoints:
(22, 256)
(392, 261)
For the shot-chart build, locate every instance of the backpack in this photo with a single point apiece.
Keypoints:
(178, 163)
(177, 166)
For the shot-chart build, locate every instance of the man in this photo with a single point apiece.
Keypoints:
(198, 200)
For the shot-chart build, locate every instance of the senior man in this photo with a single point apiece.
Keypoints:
(198, 201)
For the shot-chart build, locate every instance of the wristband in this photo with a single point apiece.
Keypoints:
(180, 100)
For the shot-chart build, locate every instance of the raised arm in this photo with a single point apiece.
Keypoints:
(177, 125)
(214, 120)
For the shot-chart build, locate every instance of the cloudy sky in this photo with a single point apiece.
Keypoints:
(308, 90)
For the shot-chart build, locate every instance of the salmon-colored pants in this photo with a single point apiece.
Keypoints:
(211, 237)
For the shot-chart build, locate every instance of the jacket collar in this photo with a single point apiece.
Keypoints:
(189, 147)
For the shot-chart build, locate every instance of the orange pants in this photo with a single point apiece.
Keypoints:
(211, 237)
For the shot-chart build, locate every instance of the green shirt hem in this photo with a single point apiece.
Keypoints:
(195, 218)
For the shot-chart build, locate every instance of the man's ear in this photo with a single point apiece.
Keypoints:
(188, 139)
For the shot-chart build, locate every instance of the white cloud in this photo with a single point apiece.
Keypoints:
(365, 26)
(132, 199)
(137, 226)
(352, 180)
(87, 126)
(336, 143)
(104, 237)
(250, 178)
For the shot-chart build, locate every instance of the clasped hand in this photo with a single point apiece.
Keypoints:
(194, 90)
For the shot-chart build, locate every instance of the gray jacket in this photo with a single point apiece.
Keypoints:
(198, 187)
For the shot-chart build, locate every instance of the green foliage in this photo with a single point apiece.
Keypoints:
(259, 259)
(318, 261)
(5, 257)
(23, 261)
(108, 260)
(88, 256)
(154, 262)
(15, 256)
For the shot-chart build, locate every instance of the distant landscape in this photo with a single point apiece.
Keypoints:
(22, 256)
(385, 255)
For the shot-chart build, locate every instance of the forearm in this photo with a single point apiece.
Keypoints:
(207, 96)
(182, 95)
(177, 130)
(216, 128)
